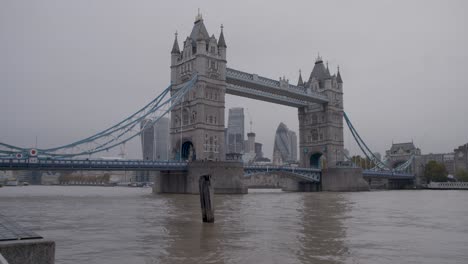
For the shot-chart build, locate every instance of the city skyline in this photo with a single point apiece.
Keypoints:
(100, 56)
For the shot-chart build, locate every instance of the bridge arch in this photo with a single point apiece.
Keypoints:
(188, 151)
(316, 160)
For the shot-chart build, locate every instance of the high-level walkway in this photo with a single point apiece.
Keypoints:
(279, 92)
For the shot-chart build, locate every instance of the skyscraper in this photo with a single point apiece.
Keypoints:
(147, 139)
(235, 130)
(155, 139)
(161, 139)
(285, 148)
(293, 143)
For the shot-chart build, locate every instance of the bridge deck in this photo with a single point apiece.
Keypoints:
(386, 174)
(24, 164)
(265, 89)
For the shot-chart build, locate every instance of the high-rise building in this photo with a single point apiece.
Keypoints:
(235, 130)
(258, 151)
(293, 143)
(147, 139)
(285, 148)
(155, 139)
(154, 145)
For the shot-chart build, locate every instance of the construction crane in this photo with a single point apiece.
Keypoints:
(250, 119)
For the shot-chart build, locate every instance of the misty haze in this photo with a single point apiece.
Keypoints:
(233, 132)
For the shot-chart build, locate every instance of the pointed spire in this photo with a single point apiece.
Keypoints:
(318, 59)
(175, 47)
(199, 16)
(328, 70)
(338, 76)
(221, 41)
(300, 82)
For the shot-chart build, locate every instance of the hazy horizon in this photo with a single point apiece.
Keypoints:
(72, 68)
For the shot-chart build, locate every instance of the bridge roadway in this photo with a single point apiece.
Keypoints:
(308, 174)
(387, 175)
(279, 92)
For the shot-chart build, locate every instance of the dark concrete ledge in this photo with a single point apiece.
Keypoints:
(343, 180)
(30, 251)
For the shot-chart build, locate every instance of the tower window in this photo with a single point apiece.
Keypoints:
(314, 119)
(185, 117)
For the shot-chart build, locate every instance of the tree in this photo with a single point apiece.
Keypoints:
(435, 171)
(106, 178)
(364, 163)
(462, 175)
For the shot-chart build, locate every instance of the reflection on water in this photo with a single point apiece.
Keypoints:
(130, 225)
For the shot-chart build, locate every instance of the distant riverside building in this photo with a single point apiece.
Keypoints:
(249, 148)
(461, 157)
(399, 153)
(250, 143)
(258, 151)
(285, 148)
(235, 130)
(155, 139)
(444, 158)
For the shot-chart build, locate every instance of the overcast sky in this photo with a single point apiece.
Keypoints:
(72, 68)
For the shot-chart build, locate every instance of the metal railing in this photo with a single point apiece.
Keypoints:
(90, 164)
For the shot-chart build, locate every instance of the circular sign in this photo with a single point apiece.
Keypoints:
(19, 155)
(33, 152)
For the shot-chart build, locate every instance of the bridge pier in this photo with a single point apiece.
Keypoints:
(343, 180)
(227, 178)
(285, 181)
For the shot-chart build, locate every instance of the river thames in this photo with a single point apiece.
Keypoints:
(131, 225)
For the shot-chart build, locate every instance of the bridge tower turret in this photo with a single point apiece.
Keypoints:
(197, 123)
(321, 126)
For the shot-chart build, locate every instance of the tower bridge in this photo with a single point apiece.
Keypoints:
(195, 101)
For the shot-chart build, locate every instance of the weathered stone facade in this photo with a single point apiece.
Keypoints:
(197, 123)
(399, 153)
(321, 126)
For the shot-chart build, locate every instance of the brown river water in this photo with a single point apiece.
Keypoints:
(131, 225)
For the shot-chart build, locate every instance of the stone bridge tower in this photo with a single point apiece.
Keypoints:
(321, 126)
(197, 123)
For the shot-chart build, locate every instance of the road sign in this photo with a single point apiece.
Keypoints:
(33, 152)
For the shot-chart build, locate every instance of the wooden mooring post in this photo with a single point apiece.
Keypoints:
(206, 198)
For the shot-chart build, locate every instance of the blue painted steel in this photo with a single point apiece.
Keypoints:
(307, 174)
(111, 140)
(71, 164)
(370, 155)
(387, 174)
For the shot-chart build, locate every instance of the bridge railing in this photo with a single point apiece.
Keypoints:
(272, 167)
(390, 174)
(15, 163)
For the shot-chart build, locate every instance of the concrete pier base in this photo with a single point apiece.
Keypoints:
(31, 251)
(343, 180)
(285, 181)
(226, 176)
